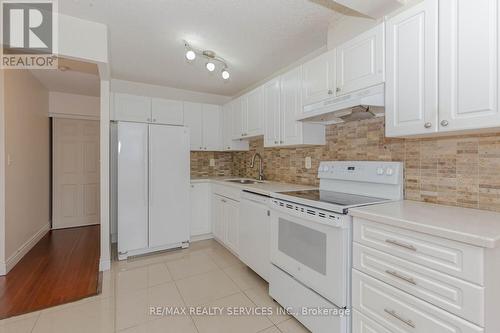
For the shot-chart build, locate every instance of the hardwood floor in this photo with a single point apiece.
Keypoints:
(62, 267)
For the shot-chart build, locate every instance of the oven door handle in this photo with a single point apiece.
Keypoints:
(304, 216)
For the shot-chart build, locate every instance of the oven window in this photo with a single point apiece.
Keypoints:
(305, 245)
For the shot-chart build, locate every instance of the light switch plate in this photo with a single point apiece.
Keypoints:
(212, 162)
(308, 162)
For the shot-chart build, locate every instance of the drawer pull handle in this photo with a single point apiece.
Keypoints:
(398, 317)
(401, 277)
(406, 246)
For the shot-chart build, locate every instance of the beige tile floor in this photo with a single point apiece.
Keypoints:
(206, 274)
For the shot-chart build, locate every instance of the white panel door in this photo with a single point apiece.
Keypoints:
(468, 64)
(132, 186)
(255, 113)
(272, 111)
(318, 78)
(76, 173)
(132, 108)
(360, 61)
(232, 217)
(193, 119)
(212, 130)
(200, 209)
(166, 111)
(169, 184)
(291, 107)
(411, 68)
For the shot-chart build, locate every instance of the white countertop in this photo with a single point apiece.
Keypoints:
(471, 226)
(265, 188)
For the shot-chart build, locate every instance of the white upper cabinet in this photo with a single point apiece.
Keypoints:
(254, 113)
(228, 143)
(211, 129)
(291, 106)
(411, 91)
(282, 105)
(468, 64)
(319, 78)
(360, 61)
(272, 134)
(132, 108)
(194, 121)
(166, 111)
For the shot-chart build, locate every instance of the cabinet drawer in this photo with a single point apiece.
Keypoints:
(401, 312)
(454, 295)
(363, 324)
(227, 191)
(450, 257)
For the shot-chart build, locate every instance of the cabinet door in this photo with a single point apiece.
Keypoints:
(232, 216)
(218, 219)
(411, 82)
(272, 113)
(132, 186)
(244, 115)
(211, 133)
(194, 121)
(318, 78)
(237, 118)
(169, 178)
(360, 61)
(132, 108)
(166, 111)
(228, 144)
(200, 209)
(468, 64)
(255, 119)
(291, 107)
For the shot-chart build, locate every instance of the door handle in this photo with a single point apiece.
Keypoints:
(398, 317)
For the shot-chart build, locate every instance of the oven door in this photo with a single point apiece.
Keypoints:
(313, 248)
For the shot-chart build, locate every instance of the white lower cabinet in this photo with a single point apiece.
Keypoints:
(201, 209)
(225, 221)
(401, 312)
(407, 281)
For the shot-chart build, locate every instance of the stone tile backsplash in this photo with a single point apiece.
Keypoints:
(460, 170)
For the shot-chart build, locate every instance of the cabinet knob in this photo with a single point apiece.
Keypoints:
(275, 142)
(330, 92)
(154, 120)
(282, 141)
(427, 125)
(444, 123)
(201, 148)
(148, 119)
(338, 89)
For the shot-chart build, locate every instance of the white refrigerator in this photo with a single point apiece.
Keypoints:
(153, 178)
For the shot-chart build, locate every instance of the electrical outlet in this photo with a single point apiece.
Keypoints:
(212, 162)
(308, 162)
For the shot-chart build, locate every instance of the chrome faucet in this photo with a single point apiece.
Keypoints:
(261, 168)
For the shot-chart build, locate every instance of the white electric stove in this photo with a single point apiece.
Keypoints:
(311, 239)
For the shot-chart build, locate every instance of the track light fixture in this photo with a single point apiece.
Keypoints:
(211, 59)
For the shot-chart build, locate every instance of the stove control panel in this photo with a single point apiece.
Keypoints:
(362, 171)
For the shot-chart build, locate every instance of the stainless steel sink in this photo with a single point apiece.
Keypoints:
(244, 181)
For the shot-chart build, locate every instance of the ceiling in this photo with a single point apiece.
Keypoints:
(79, 77)
(257, 38)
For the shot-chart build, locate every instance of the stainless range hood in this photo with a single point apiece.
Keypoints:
(361, 104)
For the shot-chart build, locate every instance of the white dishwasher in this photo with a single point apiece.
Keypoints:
(254, 233)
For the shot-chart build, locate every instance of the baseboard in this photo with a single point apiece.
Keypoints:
(201, 237)
(104, 265)
(21, 252)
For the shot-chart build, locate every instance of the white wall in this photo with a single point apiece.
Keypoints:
(137, 88)
(27, 176)
(2, 174)
(63, 104)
